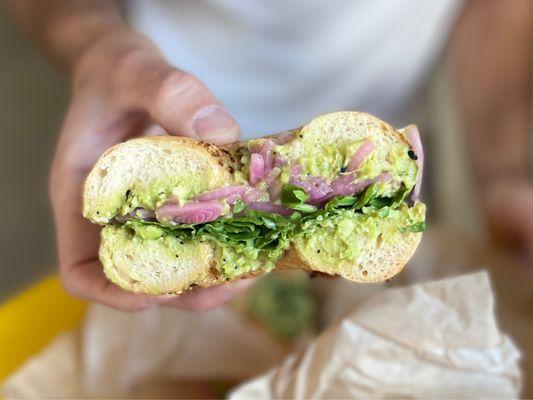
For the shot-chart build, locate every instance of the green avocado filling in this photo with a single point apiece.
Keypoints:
(255, 240)
(328, 161)
(184, 189)
(357, 233)
(247, 240)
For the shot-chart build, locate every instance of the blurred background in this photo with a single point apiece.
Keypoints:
(33, 98)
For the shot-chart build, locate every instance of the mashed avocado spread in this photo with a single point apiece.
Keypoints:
(328, 161)
(247, 239)
(256, 240)
(348, 236)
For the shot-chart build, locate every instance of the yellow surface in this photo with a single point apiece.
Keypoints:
(30, 320)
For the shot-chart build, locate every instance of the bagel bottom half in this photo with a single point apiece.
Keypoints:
(171, 265)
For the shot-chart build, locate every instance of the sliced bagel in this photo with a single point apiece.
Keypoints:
(150, 257)
(149, 169)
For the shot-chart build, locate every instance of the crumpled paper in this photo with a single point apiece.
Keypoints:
(437, 339)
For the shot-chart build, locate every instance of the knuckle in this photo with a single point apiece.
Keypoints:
(206, 301)
(132, 59)
(177, 84)
(70, 286)
(133, 306)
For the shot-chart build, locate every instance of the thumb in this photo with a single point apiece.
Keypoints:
(181, 103)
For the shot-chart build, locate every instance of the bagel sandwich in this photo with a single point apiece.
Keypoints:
(339, 196)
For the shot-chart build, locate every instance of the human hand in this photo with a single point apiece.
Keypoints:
(509, 209)
(122, 87)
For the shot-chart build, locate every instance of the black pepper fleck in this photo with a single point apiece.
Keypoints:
(318, 251)
(343, 169)
(98, 212)
(412, 155)
(301, 136)
(128, 192)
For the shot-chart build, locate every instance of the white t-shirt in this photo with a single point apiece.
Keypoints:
(277, 63)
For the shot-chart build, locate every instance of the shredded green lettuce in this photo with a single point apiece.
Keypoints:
(252, 240)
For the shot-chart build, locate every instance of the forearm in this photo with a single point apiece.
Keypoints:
(64, 29)
(490, 54)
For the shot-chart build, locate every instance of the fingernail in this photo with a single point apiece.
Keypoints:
(213, 124)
